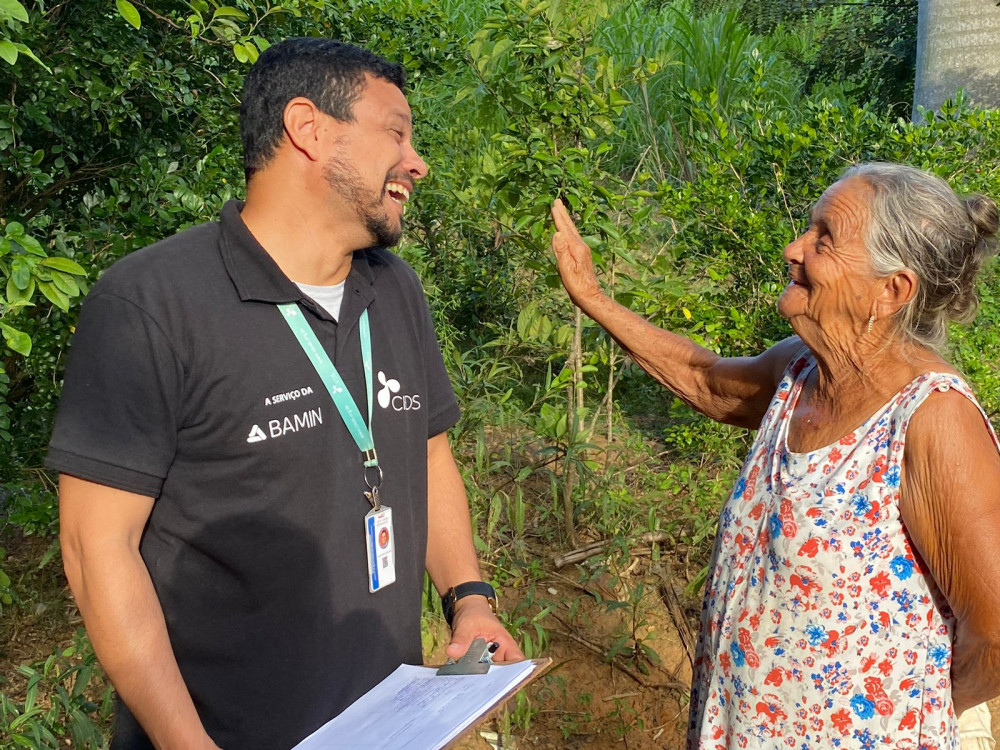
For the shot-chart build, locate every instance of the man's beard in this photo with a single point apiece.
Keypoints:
(343, 178)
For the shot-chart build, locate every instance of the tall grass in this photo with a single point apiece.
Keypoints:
(713, 56)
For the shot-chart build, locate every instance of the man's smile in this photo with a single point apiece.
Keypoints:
(398, 192)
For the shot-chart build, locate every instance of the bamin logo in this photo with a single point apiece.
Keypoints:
(387, 395)
(256, 435)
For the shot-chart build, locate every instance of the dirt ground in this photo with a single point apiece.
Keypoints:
(585, 703)
(582, 702)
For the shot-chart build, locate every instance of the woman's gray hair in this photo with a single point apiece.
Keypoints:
(917, 222)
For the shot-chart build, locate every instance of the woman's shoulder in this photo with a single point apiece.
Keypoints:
(944, 408)
(788, 357)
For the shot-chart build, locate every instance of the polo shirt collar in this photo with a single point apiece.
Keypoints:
(257, 277)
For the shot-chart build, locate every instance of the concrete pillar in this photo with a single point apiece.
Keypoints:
(958, 46)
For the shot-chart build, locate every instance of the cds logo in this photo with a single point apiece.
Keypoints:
(389, 395)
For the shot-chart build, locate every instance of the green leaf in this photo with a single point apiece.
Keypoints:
(65, 265)
(20, 272)
(15, 295)
(501, 48)
(8, 51)
(227, 10)
(241, 53)
(17, 340)
(13, 9)
(15, 229)
(65, 284)
(129, 12)
(54, 295)
(31, 245)
(28, 53)
(251, 52)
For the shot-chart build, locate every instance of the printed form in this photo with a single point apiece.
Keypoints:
(414, 708)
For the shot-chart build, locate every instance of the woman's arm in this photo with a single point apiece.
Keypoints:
(734, 390)
(950, 504)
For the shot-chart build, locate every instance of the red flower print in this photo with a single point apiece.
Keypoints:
(842, 720)
(788, 526)
(811, 547)
(770, 709)
(751, 486)
(750, 654)
(876, 693)
(881, 466)
(880, 584)
(910, 720)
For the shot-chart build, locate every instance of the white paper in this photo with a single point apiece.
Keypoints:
(413, 708)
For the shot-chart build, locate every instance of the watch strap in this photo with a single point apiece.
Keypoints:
(462, 590)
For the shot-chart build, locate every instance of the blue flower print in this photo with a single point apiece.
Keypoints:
(939, 654)
(904, 599)
(901, 567)
(863, 707)
(740, 486)
(860, 504)
(739, 658)
(775, 525)
(816, 633)
(866, 739)
(892, 477)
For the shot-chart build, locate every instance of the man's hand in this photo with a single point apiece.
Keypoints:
(474, 619)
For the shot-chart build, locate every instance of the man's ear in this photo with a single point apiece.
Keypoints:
(898, 289)
(303, 123)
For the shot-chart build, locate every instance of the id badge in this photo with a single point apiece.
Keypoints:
(381, 548)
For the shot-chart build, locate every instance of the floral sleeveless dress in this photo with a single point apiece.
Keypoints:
(820, 627)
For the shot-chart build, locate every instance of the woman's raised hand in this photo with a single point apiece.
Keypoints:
(576, 267)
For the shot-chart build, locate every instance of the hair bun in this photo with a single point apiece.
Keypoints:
(983, 213)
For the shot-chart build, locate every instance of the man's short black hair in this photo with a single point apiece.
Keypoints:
(329, 73)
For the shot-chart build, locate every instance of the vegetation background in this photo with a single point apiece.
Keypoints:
(690, 137)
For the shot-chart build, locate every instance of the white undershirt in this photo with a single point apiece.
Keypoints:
(327, 297)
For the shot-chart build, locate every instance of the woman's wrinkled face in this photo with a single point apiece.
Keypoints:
(832, 285)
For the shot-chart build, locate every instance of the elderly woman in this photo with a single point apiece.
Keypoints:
(854, 590)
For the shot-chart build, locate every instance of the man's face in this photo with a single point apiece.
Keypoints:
(373, 165)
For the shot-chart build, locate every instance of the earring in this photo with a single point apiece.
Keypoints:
(871, 322)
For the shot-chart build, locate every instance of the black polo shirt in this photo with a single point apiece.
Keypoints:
(184, 383)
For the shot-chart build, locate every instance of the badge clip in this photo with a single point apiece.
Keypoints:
(477, 660)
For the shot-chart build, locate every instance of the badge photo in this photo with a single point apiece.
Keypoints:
(381, 550)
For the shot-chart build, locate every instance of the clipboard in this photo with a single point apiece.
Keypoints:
(542, 666)
(416, 709)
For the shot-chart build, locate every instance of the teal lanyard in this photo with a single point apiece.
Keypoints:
(327, 372)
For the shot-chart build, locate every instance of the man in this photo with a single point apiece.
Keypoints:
(227, 444)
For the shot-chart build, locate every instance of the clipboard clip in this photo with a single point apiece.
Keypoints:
(477, 660)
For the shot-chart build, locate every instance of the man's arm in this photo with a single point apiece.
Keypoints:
(100, 532)
(950, 503)
(734, 390)
(451, 556)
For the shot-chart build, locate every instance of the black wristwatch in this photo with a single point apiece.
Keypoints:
(472, 588)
